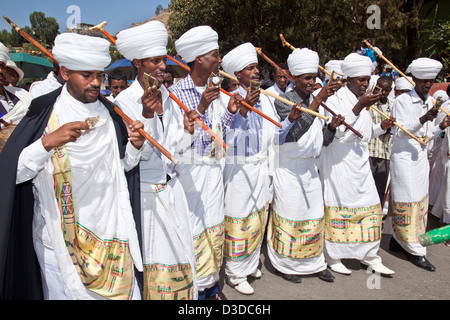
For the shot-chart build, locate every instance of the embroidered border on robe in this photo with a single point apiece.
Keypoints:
(409, 219)
(168, 282)
(353, 225)
(297, 239)
(105, 266)
(244, 236)
(208, 247)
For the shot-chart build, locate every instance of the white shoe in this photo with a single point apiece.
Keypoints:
(379, 268)
(337, 266)
(241, 285)
(257, 274)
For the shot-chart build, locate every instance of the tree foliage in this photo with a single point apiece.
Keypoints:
(333, 28)
(43, 29)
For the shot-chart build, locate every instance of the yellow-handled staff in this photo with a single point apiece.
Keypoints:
(373, 107)
(401, 73)
(274, 95)
(390, 63)
(172, 96)
(116, 109)
(100, 27)
(188, 69)
(259, 51)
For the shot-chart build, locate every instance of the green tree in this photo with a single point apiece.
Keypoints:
(159, 9)
(333, 28)
(45, 29)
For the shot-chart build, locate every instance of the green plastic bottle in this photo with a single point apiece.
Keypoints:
(435, 236)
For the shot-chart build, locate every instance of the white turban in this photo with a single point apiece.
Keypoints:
(333, 65)
(424, 68)
(302, 61)
(197, 42)
(144, 41)
(238, 58)
(4, 56)
(81, 53)
(402, 83)
(356, 65)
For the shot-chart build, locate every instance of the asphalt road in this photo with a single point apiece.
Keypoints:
(408, 283)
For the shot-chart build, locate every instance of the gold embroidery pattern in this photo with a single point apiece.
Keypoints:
(409, 219)
(168, 282)
(244, 236)
(208, 247)
(295, 238)
(353, 225)
(104, 265)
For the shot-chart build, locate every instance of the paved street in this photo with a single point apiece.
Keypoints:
(409, 282)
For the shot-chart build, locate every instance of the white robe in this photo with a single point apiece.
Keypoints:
(409, 170)
(348, 185)
(168, 249)
(100, 192)
(296, 227)
(247, 194)
(45, 86)
(21, 107)
(202, 181)
(441, 208)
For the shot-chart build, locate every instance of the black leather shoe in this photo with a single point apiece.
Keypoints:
(218, 296)
(291, 277)
(326, 275)
(421, 262)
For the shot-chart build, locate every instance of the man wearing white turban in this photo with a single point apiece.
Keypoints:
(14, 101)
(402, 85)
(246, 175)
(353, 215)
(441, 207)
(199, 170)
(410, 192)
(333, 65)
(167, 240)
(67, 160)
(295, 228)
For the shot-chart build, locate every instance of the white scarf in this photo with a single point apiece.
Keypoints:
(99, 187)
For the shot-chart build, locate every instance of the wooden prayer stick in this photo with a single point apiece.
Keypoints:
(252, 108)
(229, 94)
(274, 95)
(116, 109)
(100, 27)
(390, 63)
(374, 108)
(400, 127)
(143, 133)
(29, 38)
(204, 126)
(292, 79)
(440, 107)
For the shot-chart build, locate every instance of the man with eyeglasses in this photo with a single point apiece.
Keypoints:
(67, 221)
